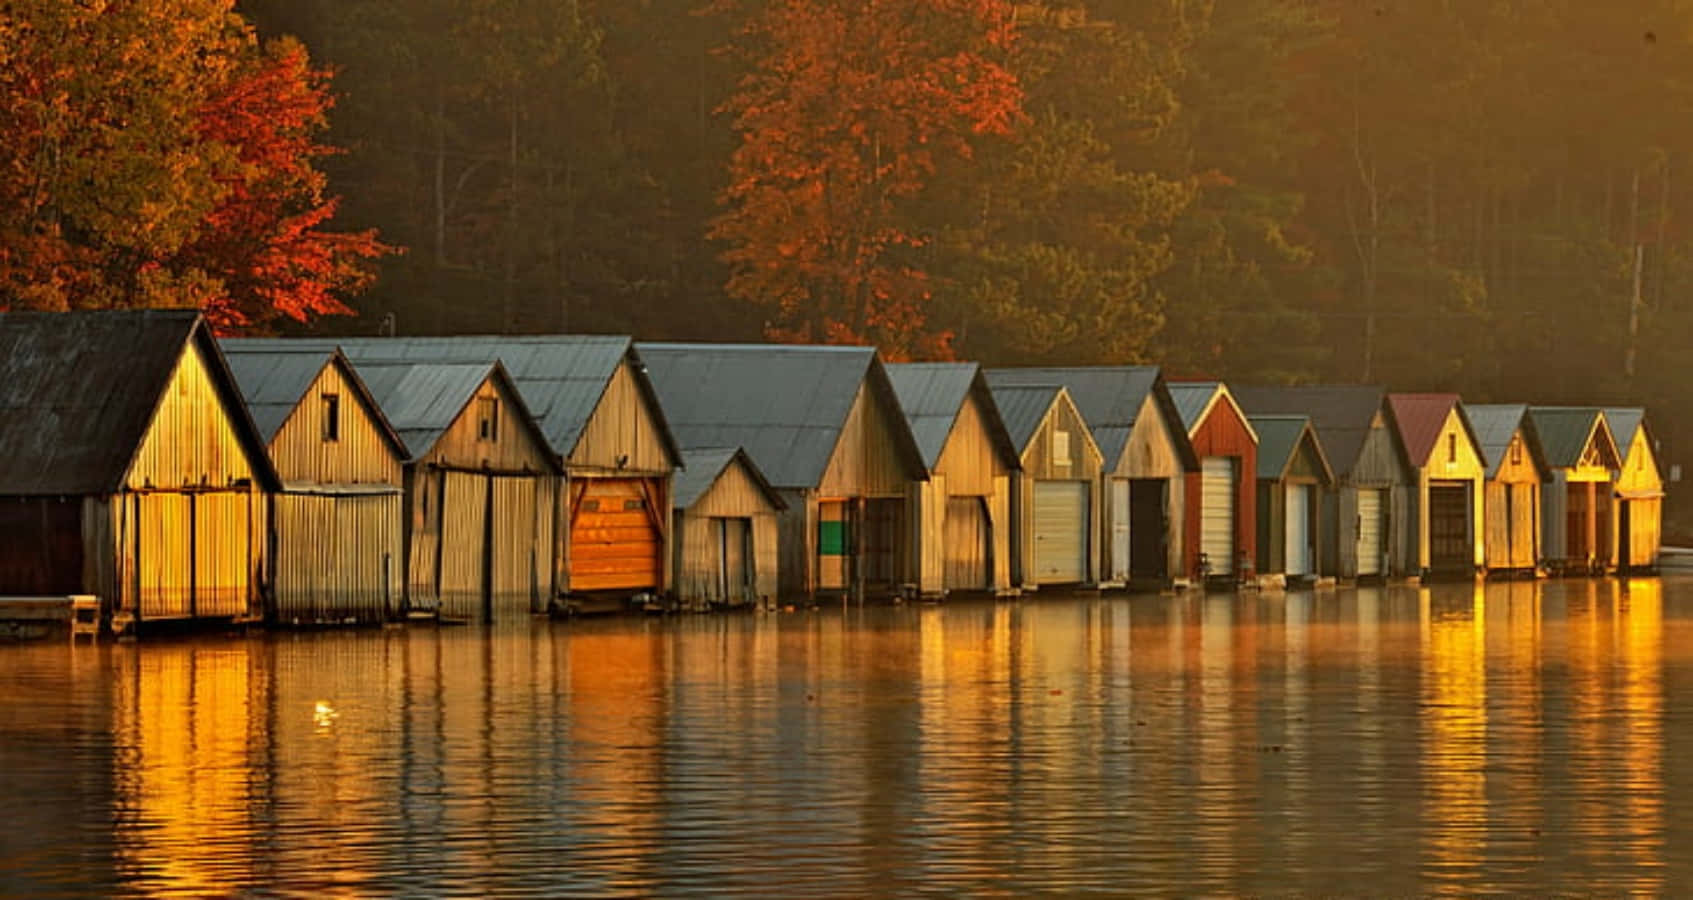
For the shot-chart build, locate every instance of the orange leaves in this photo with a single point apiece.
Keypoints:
(847, 112)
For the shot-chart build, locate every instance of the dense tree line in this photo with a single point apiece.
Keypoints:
(1485, 196)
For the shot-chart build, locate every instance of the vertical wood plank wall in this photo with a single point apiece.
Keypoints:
(1084, 463)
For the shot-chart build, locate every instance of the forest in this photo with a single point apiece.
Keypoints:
(1487, 196)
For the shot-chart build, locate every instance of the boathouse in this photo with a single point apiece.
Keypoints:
(726, 525)
(336, 526)
(129, 467)
(962, 513)
(480, 485)
(1222, 497)
(1368, 513)
(1516, 472)
(1147, 460)
(1293, 478)
(1639, 490)
(1442, 449)
(824, 426)
(591, 398)
(1578, 518)
(1056, 502)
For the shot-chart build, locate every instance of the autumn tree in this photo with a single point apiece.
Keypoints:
(156, 155)
(847, 111)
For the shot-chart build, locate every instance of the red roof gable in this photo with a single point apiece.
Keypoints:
(1420, 418)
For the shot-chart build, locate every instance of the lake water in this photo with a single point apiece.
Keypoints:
(1527, 737)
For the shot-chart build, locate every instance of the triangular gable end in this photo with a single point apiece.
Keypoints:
(1600, 448)
(1221, 395)
(626, 431)
(873, 417)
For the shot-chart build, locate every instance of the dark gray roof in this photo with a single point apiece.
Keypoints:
(1340, 414)
(561, 376)
(1278, 440)
(421, 399)
(784, 404)
(1494, 424)
(273, 381)
(1191, 399)
(1625, 423)
(79, 389)
(1108, 397)
(933, 394)
(702, 467)
(1023, 407)
(1563, 431)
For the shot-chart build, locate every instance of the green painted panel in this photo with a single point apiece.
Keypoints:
(831, 538)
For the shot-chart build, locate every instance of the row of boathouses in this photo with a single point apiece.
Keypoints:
(310, 481)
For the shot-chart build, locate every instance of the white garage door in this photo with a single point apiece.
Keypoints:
(1369, 532)
(1216, 501)
(1061, 522)
(1298, 529)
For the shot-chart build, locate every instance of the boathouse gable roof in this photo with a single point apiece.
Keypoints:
(1194, 401)
(702, 467)
(1495, 424)
(933, 395)
(1567, 431)
(274, 377)
(1279, 441)
(785, 405)
(1109, 398)
(1341, 415)
(1420, 419)
(79, 390)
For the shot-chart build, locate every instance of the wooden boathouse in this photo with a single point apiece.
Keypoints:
(1578, 518)
(1222, 497)
(336, 524)
(824, 426)
(129, 467)
(1451, 482)
(480, 486)
(1516, 472)
(726, 531)
(592, 400)
(1293, 478)
(1639, 490)
(961, 515)
(1056, 502)
(1368, 514)
(1147, 460)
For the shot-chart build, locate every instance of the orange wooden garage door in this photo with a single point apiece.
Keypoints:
(615, 539)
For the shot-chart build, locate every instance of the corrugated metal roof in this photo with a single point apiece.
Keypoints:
(1495, 424)
(421, 400)
(1278, 440)
(273, 380)
(1108, 397)
(1023, 408)
(1565, 432)
(560, 376)
(1625, 424)
(932, 396)
(1340, 414)
(1192, 398)
(1420, 417)
(78, 390)
(784, 404)
(702, 467)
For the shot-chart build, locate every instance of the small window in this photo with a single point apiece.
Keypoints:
(1516, 452)
(488, 419)
(634, 504)
(590, 506)
(1060, 447)
(331, 417)
(1451, 448)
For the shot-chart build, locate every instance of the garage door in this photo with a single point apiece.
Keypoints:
(1061, 523)
(464, 545)
(165, 556)
(1216, 503)
(222, 547)
(1298, 523)
(1370, 531)
(1449, 527)
(966, 546)
(615, 541)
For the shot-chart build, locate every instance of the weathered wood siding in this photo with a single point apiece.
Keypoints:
(191, 442)
(337, 557)
(1454, 459)
(1512, 531)
(735, 495)
(43, 548)
(621, 428)
(1639, 490)
(1306, 468)
(1082, 462)
(796, 545)
(515, 448)
(1585, 492)
(360, 454)
(1223, 433)
(866, 461)
(1151, 452)
(969, 467)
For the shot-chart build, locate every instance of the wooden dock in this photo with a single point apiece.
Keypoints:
(35, 617)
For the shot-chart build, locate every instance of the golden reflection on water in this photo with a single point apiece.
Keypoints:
(1512, 736)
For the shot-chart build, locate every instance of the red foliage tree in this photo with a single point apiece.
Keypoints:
(849, 107)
